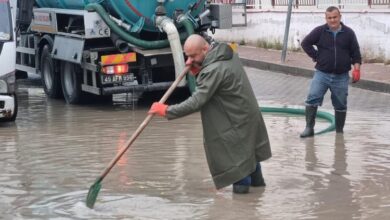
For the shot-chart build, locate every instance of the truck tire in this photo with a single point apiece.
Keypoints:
(51, 80)
(71, 80)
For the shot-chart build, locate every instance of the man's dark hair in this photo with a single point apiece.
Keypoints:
(332, 8)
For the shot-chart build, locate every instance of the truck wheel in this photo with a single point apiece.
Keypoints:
(51, 80)
(71, 80)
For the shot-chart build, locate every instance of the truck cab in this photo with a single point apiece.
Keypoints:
(8, 100)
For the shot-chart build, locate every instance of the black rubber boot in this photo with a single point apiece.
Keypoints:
(310, 113)
(340, 120)
(257, 177)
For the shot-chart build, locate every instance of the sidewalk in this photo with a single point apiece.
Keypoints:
(374, 76)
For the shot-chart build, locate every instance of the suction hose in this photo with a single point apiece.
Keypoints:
(157, 44)
(167, 25)
(187, 24)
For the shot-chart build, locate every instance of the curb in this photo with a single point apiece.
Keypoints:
(308, 73)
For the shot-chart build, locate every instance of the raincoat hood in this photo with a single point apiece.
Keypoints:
(217, 52)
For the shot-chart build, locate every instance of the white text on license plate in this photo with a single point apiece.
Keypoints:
(116, 78)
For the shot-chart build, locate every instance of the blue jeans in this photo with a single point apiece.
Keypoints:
(336, 83)
(246, 181)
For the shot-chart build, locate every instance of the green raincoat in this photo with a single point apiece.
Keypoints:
(235, 136)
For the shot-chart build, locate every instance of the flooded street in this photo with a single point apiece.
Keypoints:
(53, 153)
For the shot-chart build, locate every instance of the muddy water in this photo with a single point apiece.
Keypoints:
(53, 153)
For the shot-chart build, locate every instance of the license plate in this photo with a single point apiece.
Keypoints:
(107, 79)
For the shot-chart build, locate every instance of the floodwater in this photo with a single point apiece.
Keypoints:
(53, 153)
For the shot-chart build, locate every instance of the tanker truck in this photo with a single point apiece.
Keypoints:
(85, 48)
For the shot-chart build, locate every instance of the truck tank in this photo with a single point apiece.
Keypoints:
(138, 13)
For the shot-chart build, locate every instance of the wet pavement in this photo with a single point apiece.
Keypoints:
(52, 154)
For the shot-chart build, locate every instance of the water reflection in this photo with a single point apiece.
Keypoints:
(225, 205)
(333, 195)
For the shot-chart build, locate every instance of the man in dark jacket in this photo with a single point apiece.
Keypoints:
(336, 50)
(235, 136)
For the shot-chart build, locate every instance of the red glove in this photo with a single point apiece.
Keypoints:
(355, 75)
(158, 108)
(194, 70)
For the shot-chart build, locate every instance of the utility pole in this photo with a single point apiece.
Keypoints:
(287, 30)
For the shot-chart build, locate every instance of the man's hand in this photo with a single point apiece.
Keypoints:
(194, 70)
(355, 75)
(158, 108)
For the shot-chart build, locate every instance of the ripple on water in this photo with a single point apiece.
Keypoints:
(71, 205)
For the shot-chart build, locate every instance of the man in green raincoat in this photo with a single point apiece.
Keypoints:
(235, 136)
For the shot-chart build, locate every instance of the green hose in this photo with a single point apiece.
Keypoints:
(123, 34)
(191, 82)
(320, 114)
(187, 25)
(157, 44)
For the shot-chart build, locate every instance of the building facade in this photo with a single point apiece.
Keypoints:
(266, 22)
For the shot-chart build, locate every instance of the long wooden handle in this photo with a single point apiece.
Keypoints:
(142, 126)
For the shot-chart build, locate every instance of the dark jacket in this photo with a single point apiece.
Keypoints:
(235, 136)
(334, 54)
